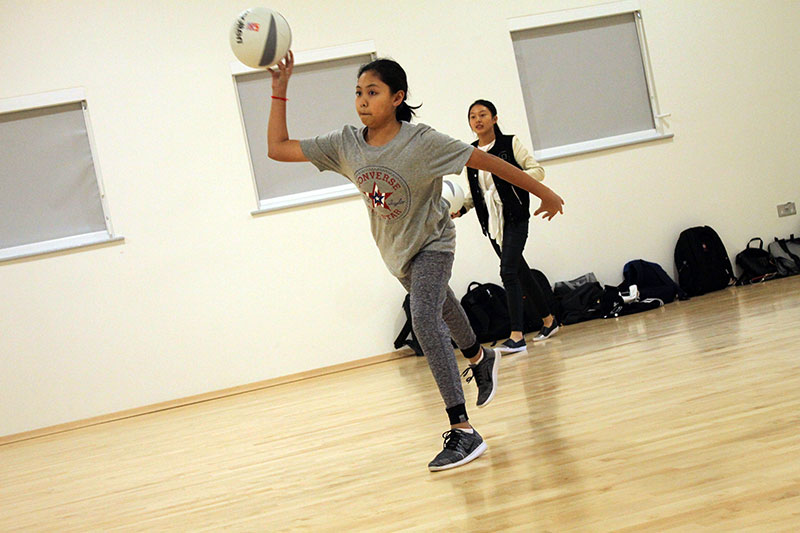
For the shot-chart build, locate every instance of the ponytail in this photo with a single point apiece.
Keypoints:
(392, 74)
(405, 112)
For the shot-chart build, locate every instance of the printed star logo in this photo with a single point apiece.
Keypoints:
(378, 198)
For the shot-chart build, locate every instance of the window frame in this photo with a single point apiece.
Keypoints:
(661, 128)
(53, 99)
(303, 57)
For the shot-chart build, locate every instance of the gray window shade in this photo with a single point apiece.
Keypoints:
(583, 81)
(47, 176)
(321, 99)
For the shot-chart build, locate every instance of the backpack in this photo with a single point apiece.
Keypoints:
(651, 281)
(563, 287)
(486, 307)
(580, 304)
(785, 253)
(702, 261)
(402, 339)
(613, 305)
(756, 264)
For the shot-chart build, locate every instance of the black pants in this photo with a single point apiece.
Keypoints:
(516, 274)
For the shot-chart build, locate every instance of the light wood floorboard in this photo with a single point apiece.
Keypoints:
(685, 418)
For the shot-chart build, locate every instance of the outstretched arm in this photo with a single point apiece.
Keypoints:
(551, 205)
(280, 146)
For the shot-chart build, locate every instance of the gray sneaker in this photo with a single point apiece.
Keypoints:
(459, 449)
(485, 374)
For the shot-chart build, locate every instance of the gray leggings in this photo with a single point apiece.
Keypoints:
(436, 314)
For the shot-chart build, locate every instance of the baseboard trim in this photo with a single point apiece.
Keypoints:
(205, 397)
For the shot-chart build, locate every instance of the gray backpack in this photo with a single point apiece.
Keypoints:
(786, 255)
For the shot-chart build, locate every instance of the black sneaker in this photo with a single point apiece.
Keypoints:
(485, 374)
(546, 333)
(513, 346)
(459, 449)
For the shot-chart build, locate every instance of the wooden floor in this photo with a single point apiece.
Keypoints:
(685, 418)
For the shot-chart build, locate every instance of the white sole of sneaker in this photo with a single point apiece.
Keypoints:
(477, 452)
(540, 338)
(495, 369)
(523, 350)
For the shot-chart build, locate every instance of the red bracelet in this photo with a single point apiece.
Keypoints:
(281, 98)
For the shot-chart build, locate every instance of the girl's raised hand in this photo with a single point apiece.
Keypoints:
(281, 74)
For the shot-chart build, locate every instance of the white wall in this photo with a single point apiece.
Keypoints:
(202, 296)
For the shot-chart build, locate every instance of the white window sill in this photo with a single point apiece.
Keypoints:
(600, 144)
(304, 198)
(57, 245)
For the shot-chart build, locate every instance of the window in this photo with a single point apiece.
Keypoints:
(586, 79)
(321, 92)
(51, 195)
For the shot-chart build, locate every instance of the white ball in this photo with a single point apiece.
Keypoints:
(260, 37)
(453, 194)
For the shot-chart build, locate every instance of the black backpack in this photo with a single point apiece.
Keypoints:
(702, 261)
(651, 281)
(403, 338)
(612, 304)
(756, 264)
(487, 310)
(582, 303)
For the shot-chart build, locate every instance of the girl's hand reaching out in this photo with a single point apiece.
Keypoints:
(551, 205)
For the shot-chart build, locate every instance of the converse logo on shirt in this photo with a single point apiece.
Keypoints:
(385, 193)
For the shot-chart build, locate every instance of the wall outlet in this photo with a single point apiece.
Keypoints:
(787, 209)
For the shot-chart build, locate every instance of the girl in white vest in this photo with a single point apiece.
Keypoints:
(398, 167)
(503, 210)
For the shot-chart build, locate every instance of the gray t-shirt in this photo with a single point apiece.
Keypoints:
(400, 183)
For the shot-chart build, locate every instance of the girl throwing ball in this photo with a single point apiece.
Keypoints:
(398, 167)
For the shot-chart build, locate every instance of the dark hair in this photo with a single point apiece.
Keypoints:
(392, 74)
(492, 109)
